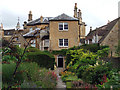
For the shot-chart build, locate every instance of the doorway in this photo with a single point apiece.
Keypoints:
(60, 61)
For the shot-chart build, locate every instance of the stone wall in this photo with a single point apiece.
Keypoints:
(71, 34)
(112, 39)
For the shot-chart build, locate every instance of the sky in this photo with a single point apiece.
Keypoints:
(95, 13)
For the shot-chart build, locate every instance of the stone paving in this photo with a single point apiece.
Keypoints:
(60, 83)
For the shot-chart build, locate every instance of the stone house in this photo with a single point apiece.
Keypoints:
(105, 35)
(14, 36)
(56, 33)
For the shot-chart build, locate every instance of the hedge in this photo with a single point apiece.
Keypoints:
(43, 59)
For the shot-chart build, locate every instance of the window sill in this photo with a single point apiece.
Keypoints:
(63, 46)
(63, 30)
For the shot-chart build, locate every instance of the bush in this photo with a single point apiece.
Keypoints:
(32, 49)
(26, 71)
(103, 53)
(7, 74)
(43, 59)
(94, 74)
(8, 58)
(14, 51)
(31, 70)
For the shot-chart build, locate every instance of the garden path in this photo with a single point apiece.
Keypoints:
(60, 83)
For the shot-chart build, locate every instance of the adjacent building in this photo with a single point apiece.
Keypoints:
(105, 35)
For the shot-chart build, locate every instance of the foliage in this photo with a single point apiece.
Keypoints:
(60, 52)
(68, 76)
(113, 80)
(31, 70)
(47, 79)
(29, 84)
(118, 49)
(32, 49)
(9, 58)
(87, 66)
(91, 47)
(5, 43)
(43, 59)
(7, 74)
(80, 60)
(13, 51)
(94, 74)
(103, 53)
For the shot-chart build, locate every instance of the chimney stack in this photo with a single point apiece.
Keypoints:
(80, 16)
(30, 16)
(108, 21)
(90, 29)
(1, 26)
(41, 19)
(75, 10)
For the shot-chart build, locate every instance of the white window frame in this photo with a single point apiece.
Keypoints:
(31, 28)
(63, 26)
(33, 45)
(63, 43)
(46, 40)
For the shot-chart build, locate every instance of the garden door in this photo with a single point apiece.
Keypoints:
(60, 61)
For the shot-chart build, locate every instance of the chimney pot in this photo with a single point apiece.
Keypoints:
(90, 29)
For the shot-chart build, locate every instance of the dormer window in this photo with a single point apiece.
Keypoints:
(63, 26)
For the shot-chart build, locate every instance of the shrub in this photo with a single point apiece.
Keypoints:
(96, 74)
(8, 58)
(26, 71)
(32, 49)
(31, 70)
(14, 51)
(43, 59)
(103, 53)
(7, 74)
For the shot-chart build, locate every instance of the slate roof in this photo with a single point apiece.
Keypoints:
(109, 28)
(32, 33)
(9, 32)
(38, 22)
(63, 17)
(102, 31)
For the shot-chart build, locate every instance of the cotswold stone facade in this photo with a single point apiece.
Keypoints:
(50, 33)
(106, 35)
(56, 33)
(112, 39)
(51, 37)
(71, 34)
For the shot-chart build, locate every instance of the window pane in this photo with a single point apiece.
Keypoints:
(65, 42)
(30, 29)
(65, 25)
(60, 26)
(60, 42)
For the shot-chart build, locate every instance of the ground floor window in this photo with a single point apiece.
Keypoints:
(63, 42)
(60, 61)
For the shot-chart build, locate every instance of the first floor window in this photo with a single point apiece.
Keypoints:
(63, 26)
(63, 42)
